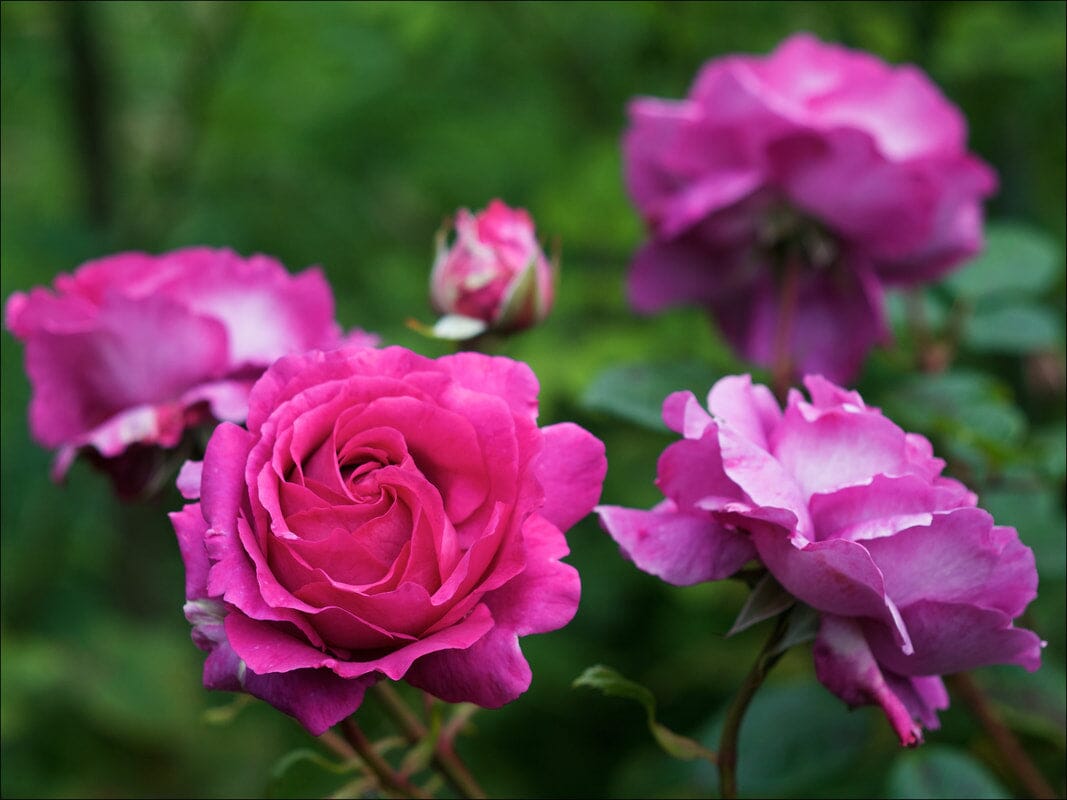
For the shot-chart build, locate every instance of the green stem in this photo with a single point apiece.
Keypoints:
(445, 757)
(728, 742)
(389, 779)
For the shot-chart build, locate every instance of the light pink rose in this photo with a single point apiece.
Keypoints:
(816, 158)
(494, 275)
(130, 350)
(384, 515)
(852, 516)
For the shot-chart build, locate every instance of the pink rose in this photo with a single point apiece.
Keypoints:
(494, 276)
(132, 349)
(818, 160)
(851, 515)
(383, 515)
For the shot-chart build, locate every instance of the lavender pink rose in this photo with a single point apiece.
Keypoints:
(852, 516)
(818, 174)
(130, 350)
(386, 516)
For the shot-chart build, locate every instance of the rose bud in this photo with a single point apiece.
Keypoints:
(851, 516)
(787, 191)
(130, 351)
(493, 278)
(384, 516)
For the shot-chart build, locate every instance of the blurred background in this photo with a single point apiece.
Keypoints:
(342, 134)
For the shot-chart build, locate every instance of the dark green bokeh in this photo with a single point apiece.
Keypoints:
(342, 134)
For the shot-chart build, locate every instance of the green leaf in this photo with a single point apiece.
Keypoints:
(613, 684)
(1039, 517)
(636, 392)
(767, 599)
(1017, 260)
(798, 740)
(938, 772)
(801, 627)
(970, 414)
(1017, 328)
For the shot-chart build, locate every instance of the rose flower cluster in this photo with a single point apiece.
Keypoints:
(363, 514)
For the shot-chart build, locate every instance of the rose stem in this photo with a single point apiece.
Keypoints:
(782, 370)
(931, 355)
(1018, 762)
(334, 741)
(445, 757)
(727, 751)
(389, 778)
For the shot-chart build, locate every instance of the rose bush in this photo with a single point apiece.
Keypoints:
(494, 274)
(130, 350)
(817, 173)
(852, 516)
(387, 515)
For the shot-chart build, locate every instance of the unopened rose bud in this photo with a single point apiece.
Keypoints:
(494, 277)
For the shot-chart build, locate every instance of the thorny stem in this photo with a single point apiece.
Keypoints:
(728, 742)
(782, 369)
(445, 757)
(1007, 744)
(391, 781)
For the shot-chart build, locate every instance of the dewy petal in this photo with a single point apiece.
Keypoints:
(571, 471)
(682, 548)
(845, 665)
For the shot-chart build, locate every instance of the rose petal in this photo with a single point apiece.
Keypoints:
(571, 470)
(682, 548)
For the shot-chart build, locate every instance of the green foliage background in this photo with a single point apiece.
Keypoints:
(342, 134)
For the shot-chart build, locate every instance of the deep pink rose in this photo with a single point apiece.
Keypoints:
(494, 273)
(130, 350)
(852, 516)
(817, 159)
(384, 515)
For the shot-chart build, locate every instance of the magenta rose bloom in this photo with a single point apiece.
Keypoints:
(494, 275)
(130, 350)
(852, 516)
(384, 515)
(817, 173)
